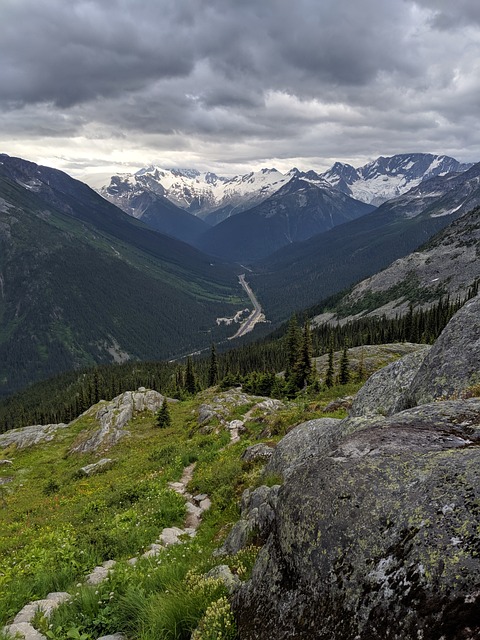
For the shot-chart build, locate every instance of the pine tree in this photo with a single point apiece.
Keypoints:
(190, 378)
(304, 369)
(294, 340)
(213, 369)
(330, 376)
(163, 418)
(344, 366)
(361, 373)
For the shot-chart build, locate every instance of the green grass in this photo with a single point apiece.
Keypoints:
(56, 525)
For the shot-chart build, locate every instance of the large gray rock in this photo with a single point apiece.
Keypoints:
(377, 538)
(453, 363)
(114, 416)
(257, 516)
(384, 391)
(305, 441)
(29, 436)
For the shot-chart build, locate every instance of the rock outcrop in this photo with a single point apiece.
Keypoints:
(307, 440)
(29, 436)
(377, 539)
(374, 533)
(114, 416)
(257, 516)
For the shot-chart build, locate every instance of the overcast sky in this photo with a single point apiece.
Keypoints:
(107, 86)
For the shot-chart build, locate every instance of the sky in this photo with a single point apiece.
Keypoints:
(99, 87)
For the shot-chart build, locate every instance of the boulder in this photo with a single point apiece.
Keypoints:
(307, 440)
(377, 536)
(383, 393)
(96, 467)
(452, 365)
(256, 452)
(223, 573)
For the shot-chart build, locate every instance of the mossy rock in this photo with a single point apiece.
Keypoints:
(378, 538)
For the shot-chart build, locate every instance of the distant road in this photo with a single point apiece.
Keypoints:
(255, 316)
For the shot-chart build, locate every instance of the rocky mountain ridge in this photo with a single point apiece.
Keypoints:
(215, 198)
(299, 210)
(387, 178)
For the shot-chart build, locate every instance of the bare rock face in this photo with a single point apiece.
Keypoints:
(383, 393)
(114, 416)
(377, 538)
(30, 436)
(453, 363)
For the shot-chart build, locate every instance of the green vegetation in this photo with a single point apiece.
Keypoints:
(83, 284)
(58, 524)
(255, 365)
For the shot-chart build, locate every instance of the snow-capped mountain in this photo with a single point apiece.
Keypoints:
(386, 178)
(206, 195)
(299, 210)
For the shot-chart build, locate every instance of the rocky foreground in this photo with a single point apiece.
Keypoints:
(375, 531)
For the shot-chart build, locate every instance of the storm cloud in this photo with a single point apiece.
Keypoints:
(231, 85)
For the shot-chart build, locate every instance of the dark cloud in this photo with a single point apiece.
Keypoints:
(273, 78)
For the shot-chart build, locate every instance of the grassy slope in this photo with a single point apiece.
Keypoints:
(57, 526)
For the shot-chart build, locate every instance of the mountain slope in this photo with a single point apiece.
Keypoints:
(386, 178)
(81, 282)
(447, 265)
(297, 211)
(301, 275)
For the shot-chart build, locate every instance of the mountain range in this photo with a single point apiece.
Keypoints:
(254, 215)
(81, 282)
(214, 198)
(386, 178)
(325, 264)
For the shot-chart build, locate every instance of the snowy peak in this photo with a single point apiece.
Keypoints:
(199, 193)
(389, 177)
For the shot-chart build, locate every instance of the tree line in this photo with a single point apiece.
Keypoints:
(289, 350)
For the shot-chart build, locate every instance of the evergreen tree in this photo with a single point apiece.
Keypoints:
(344, 366)
(163, 418)
(330, 376)
(304, 368)
(190, 377)
(213, 369)
(294, 340)
(361, 373)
